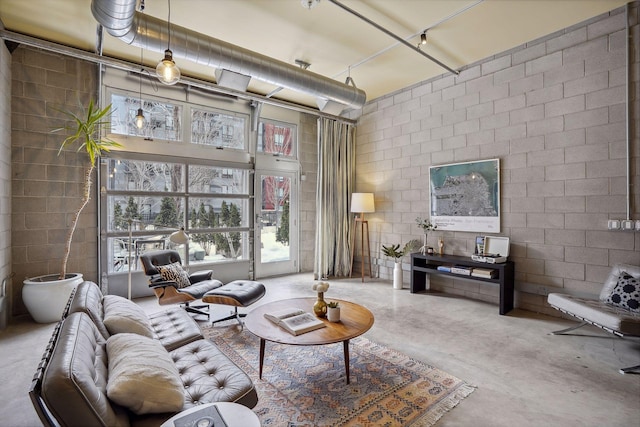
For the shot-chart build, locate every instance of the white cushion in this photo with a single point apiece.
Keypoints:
(174, 273)
(142, 376)
(122, 315)
(612, 280)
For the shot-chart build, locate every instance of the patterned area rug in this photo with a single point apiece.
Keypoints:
(305, 385)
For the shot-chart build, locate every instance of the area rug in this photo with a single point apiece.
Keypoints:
(306, 386)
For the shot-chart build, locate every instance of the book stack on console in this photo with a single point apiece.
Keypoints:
(485, 273)
(461, 269)
(444, 268)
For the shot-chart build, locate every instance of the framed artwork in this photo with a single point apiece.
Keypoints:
(466, 196)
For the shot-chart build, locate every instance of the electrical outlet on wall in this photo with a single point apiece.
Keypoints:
(613, 224)
(627, 224)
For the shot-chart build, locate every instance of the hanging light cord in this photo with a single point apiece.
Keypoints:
(169, 26)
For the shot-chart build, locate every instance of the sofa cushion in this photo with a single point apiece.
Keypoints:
(626, 293)
(122, 315)
(142, 376)
(174, 273)
(208, 375)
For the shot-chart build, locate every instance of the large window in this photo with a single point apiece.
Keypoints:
(155, 198)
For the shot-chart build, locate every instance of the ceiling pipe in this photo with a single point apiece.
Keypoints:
(121, 20)
(17, 39)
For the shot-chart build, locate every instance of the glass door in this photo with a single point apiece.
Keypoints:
(276, 225)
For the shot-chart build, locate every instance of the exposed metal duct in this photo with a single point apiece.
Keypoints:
(121, 20)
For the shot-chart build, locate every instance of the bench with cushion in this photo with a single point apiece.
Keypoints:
(106, 366)
(617, 310)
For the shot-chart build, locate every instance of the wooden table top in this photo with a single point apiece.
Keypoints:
(355, 320)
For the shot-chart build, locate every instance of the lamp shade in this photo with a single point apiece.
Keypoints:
(362, 202)
(179, 237)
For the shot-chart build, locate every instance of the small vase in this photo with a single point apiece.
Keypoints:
(397, 276)
(424, 248)
(333, 314)
(320, 307)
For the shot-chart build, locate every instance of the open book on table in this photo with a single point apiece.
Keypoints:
(295, 321)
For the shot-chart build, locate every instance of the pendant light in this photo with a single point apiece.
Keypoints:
(140, 120)
(167, 70)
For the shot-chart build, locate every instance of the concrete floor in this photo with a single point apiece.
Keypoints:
(524, 376)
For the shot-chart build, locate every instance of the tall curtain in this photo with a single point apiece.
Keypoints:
(336, 176)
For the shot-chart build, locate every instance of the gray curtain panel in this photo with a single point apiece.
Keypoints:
(336, 176)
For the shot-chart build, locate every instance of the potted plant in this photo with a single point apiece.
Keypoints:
(394, 251)
(46, 296)
(333, 311)
(426, 225)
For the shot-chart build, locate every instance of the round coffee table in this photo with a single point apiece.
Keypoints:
(355, 320)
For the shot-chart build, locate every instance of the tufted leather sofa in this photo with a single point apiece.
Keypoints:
(69, 387)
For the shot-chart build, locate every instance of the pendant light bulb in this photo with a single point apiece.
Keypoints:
(423, 38)
(167, 70)
(140, 120)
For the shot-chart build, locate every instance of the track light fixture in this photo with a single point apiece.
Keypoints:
(309, 4)
(167, 70)
(423, 38)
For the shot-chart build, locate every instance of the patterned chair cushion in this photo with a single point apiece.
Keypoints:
(626, 293)
(175, 273)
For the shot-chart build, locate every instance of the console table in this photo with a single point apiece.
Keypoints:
(422, 265)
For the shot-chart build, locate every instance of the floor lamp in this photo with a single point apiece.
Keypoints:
(361, 203)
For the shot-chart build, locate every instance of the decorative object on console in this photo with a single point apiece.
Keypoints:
(320, 307)
(426, 226)
(441, 246)
(361, 203)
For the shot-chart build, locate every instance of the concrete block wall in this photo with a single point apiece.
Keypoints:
(5, 179)
(47, 187)
(308, 154)
(553, 111)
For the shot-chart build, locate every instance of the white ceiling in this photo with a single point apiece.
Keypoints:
(332, 40)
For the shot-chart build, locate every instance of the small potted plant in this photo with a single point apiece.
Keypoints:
(333, 311)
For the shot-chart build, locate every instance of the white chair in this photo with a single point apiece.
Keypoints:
(600, 313)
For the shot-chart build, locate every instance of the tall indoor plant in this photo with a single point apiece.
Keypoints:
(45, 296)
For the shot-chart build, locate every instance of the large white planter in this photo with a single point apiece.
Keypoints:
(46, 297)
(397, 275)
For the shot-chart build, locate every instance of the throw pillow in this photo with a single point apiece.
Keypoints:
(626, 293)
(122, 315)
(142, 376)
(175, 273)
